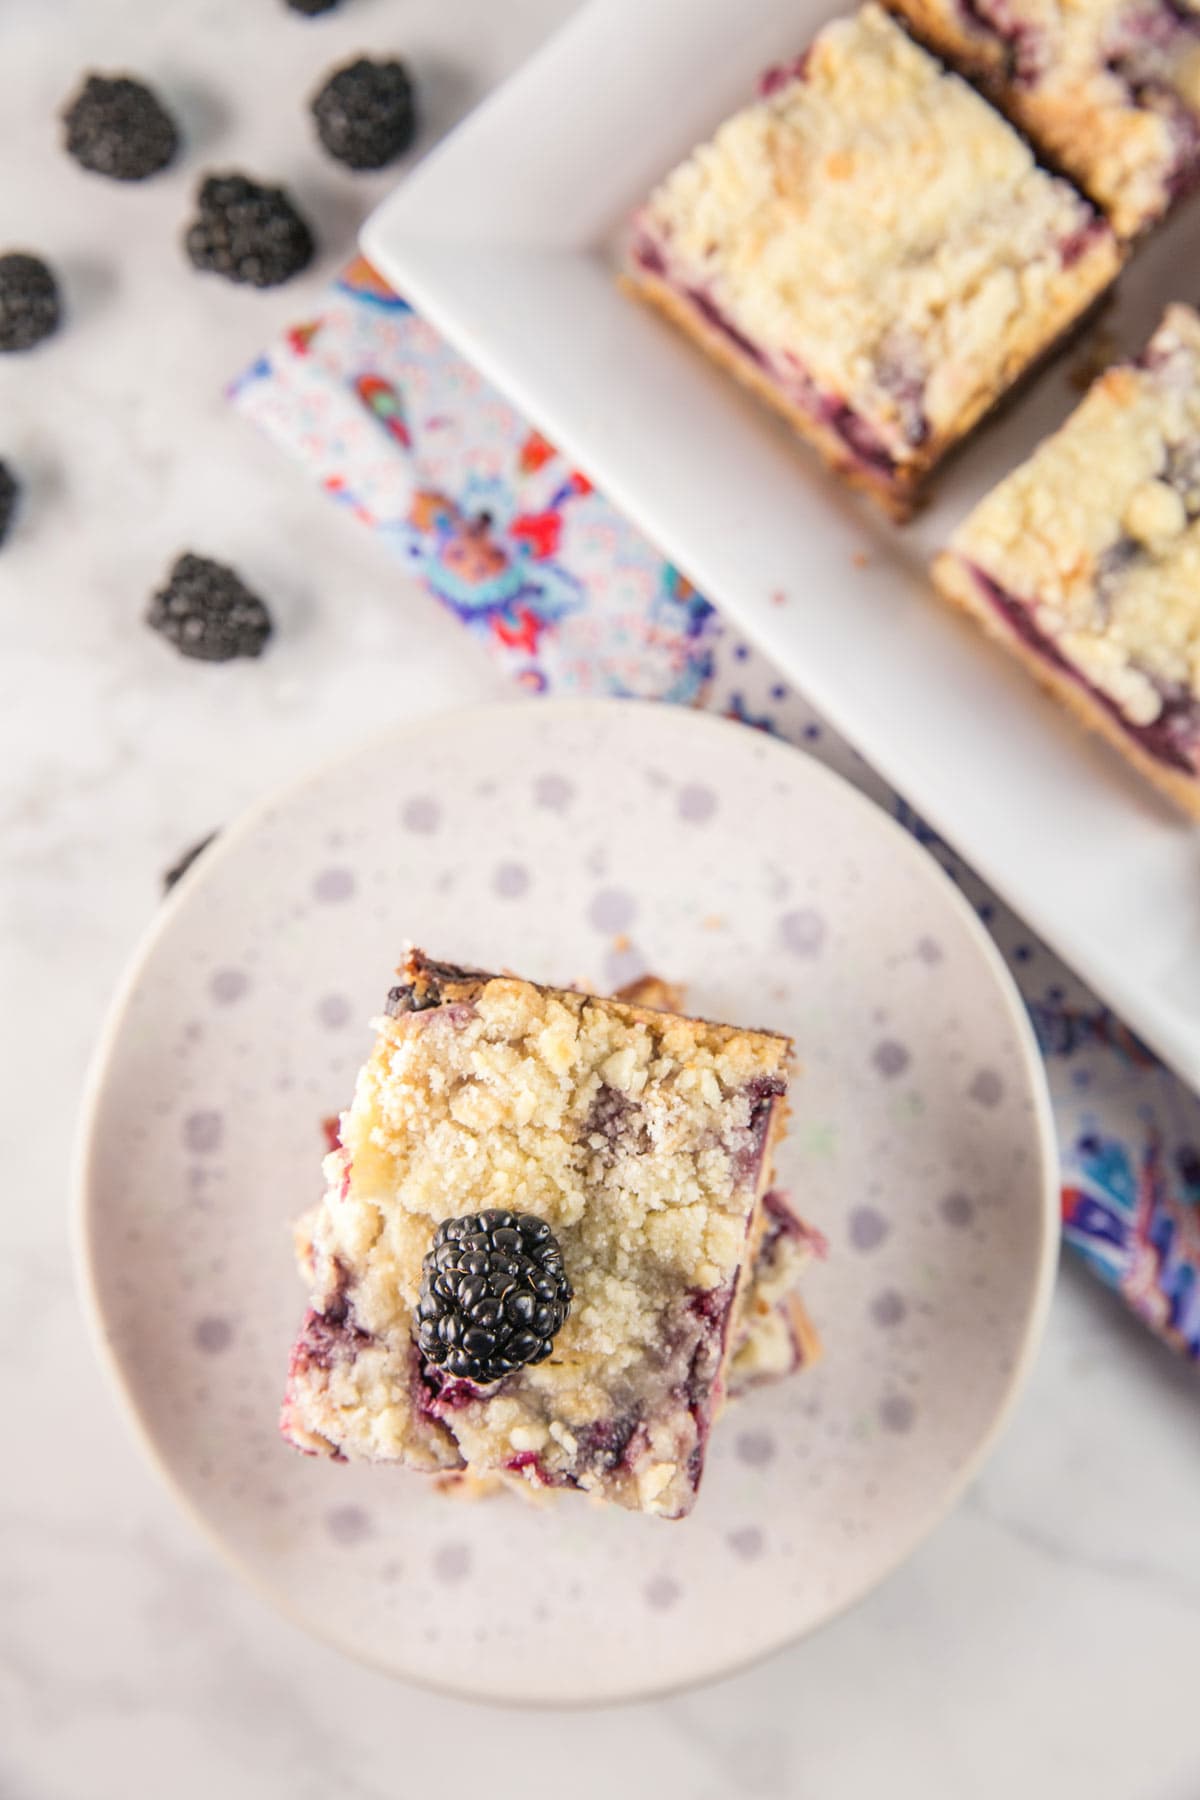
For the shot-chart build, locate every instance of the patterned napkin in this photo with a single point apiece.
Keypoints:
(571, 599)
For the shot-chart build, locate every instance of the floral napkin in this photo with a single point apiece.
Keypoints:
(571, 599)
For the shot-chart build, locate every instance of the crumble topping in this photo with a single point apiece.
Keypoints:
(1108, 89)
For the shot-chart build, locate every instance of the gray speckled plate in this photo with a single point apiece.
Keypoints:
(576, 842)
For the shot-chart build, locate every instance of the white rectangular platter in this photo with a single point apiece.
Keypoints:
(506, 238)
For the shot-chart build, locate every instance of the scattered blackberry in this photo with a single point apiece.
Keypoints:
(207, 611)
(310, 8)
(182, 864)
(29, 308)
(247, 232)
(117, 127)
(9, 493)
(365, 113)
(493, 1294)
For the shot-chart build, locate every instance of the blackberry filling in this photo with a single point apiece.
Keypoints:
(1019, 42)
(859, 436)
(1172, 739)
(900, 372)
(650, 257)
(712, 315)
(1113, 566)
(605, 1444)
(1079, 242)
(783, 74)
(426, 989)
(325, 1341)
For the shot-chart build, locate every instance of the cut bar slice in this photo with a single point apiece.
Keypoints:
(772, 1335)
(875, 251)
(642, 1139)
(1108, 90)
(1085, 561)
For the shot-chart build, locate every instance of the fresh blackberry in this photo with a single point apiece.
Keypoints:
(493, 1294)
(207, 611)
(29, 308)
(9, 494)
(247, 232)
(365, 113)
(310, 8)
(183, 863)
(117, 127)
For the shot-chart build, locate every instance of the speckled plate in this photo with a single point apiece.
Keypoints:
(576, 841)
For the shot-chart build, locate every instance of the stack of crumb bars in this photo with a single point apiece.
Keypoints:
(550, 1247)
(909, 219)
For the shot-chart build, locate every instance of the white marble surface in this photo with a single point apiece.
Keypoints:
(1044, 1642)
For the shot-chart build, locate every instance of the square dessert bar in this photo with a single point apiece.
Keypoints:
(1085, 561)
(535, 1228)
(1108, 91)
(874, 250)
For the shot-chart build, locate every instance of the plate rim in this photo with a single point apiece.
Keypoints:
(85, 1205)
(394, 239)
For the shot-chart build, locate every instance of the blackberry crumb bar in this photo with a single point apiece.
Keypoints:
(1108, 91)
(1085, 561)
(874, 251)
(772, 1335)
(636, 1143)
